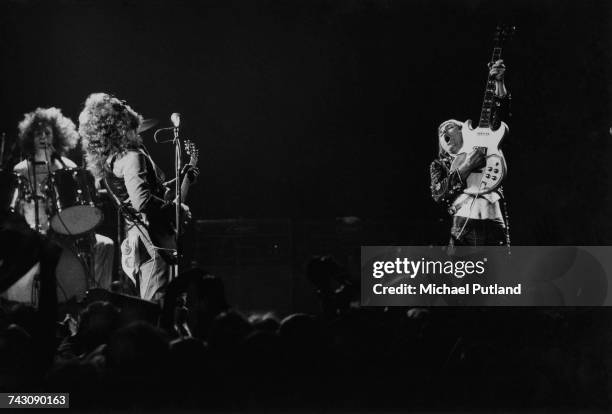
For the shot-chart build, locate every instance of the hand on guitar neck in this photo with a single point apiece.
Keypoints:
(163, 228)
(189, 175)
(497, 70)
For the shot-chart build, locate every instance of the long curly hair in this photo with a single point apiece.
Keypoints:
(65, 136)
(104, 125)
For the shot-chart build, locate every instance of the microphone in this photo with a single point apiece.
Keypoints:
(176, 119)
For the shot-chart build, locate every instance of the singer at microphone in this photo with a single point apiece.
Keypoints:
(135, 183)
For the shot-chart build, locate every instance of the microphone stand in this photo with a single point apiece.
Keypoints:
(35, 194)
(36, 197)
(175, 118)
(2, 150)
(177, 191)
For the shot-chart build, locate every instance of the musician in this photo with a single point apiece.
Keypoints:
(45, 136)
(116, 156)
(476, 220)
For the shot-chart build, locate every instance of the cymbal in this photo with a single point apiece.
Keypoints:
(147, 124)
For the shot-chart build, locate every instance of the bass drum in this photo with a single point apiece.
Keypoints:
(71, 282)
(71, 194)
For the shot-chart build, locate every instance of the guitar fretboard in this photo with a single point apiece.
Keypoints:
(489, 95)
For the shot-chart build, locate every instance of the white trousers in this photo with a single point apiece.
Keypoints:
(142, 262)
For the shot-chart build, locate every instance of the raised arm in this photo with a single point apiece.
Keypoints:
(501, 107)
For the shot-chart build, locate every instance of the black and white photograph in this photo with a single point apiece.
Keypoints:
(306, 206)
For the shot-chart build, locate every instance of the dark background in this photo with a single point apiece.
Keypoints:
(321, 109)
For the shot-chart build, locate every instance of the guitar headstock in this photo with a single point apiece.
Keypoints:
(503, 32)
(192, 150)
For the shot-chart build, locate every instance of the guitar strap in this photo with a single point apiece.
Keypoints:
(131, 216)
(132, 247)
(126, 211)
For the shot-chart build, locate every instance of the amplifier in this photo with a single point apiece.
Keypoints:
(252, 257)
(243, 242)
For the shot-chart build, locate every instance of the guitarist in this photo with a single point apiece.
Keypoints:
(477, 220)
(116, 156)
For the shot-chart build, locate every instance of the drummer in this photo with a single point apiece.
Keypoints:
(45, 136)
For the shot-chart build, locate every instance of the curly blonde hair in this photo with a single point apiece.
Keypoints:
(65, 136)
(104, 125)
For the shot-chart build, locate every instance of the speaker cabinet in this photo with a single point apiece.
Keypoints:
(252, 257)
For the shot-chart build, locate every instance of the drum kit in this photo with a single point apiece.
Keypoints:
(64, 207)
(71, 212)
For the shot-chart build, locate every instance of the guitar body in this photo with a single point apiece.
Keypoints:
(163, 232)
(485, 139)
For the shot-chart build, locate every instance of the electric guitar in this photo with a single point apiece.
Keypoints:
(483, 138)
(160, 230)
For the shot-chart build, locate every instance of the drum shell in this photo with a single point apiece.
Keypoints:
(71, 277)
(72, 201)
(13, 188)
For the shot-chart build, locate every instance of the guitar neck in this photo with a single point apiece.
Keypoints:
(489, 95)
(185, 184)
(184, 189)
